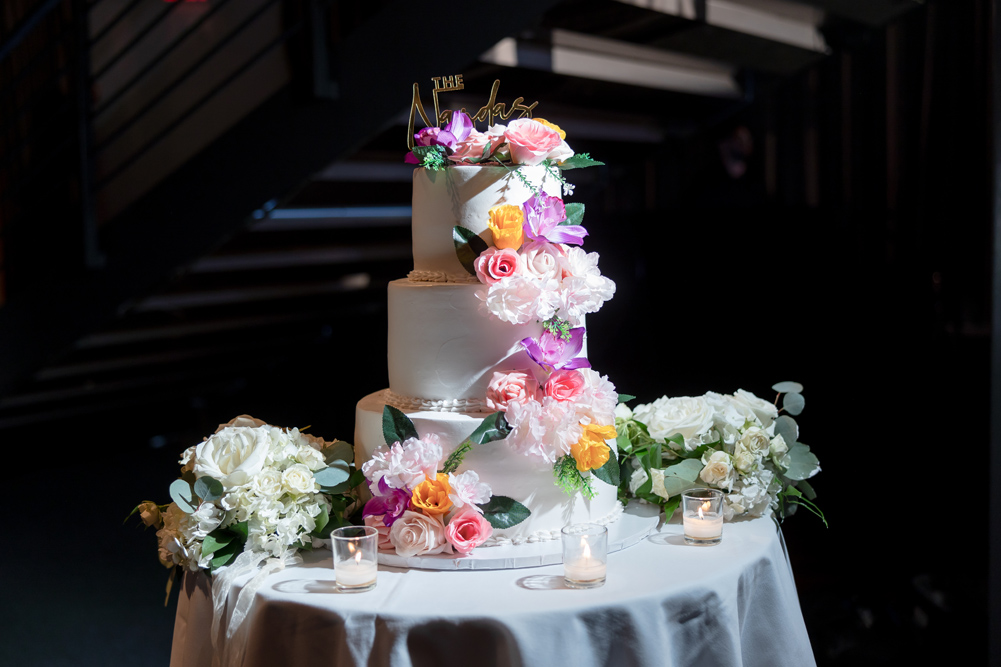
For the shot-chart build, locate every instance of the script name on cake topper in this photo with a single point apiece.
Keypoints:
(442, 84)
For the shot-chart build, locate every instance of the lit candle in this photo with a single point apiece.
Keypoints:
(585, 569)
(703, 524)
(355, 558)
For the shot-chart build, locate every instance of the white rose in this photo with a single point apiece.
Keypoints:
(311, 458)
(623, 412)
(690, 416)
(777, 447)
(541, 261)
(298, 479)
(762, 410)
(755, 440)
(718, 469)
(561, 152)
(744, 459)
(233, 456)
(415, 534)
(267, 483)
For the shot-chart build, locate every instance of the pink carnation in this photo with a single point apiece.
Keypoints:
(543, 431)
(493, 264)
(564, 385)
(596, 403)
(505, 388)
(530, 141)
(468, 530)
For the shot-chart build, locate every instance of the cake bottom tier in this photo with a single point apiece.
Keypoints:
(507, 472)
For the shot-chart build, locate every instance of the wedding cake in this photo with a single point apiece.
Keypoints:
(505, 434)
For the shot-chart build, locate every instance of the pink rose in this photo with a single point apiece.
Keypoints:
(376, 522)
(531, 142)
(473, 147)
(493, 264)
(564, 385)
(541, 260)
(468, 530)
(505, 388)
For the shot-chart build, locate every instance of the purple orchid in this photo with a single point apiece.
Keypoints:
(553, 352)
(543, 216)
(458, 129)
(387, 502)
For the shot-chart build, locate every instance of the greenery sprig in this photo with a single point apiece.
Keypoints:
(569, 479)
(557, 327)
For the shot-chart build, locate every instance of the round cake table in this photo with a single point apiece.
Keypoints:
(664, 603)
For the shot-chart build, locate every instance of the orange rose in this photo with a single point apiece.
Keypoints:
(590, 451)
(506, 224)
(552, 126)
(431, 495)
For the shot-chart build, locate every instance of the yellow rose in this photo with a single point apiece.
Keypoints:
(552, 126)
(590, 451)
(431, 495)
(506, 224)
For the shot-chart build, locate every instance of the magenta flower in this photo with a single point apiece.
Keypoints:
(458, 128)
(387, 502)
(543, 216)
(552, 352)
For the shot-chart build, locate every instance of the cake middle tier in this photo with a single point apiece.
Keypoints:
(443, 350)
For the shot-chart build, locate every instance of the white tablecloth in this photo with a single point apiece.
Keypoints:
(664, 603)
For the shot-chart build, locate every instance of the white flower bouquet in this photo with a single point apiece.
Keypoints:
(252, 487)
(737, 443)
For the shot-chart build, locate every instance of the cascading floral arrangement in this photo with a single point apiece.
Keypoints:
(737, 443)
(252, 487)
(559, 411)
(420, 504)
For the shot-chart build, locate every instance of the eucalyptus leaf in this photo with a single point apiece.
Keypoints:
(503, 512)
(396, 426)
(339, 451)
(609, 473)
(332, 476)
(788, 387)
(793, 403)
(356, 478)
(182, 494)
(468, 246)
(803, 464)
(579, 161)
(788, 428)
(686, 469)
(575, 214)
(625, 398)
(208, 488)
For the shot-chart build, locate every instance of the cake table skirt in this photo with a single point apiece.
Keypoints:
(664, 603)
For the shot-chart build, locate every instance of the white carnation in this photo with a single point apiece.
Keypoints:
(583, 289)
(520, 299)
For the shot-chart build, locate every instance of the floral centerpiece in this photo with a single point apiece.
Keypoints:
(252, 487)
(737, 443)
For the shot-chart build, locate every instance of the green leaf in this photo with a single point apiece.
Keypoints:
(625, 398)
(182, 494)
(579, 161)
(208, 488)
(623, 443)
(575, 214)
(608, 473)
(339, 451)
(793, 403)
(241, 530)
(215, 541)
(786, 427)
(468, 247)
(356, 478)
(803, 464)
(504, 512)
(396, 426)
(654, 456)
(332, 476)
(494, 427)
(680, 477)
(788, 387)
(323, 525)
(807, 490)
(670, 505)
(225, 556)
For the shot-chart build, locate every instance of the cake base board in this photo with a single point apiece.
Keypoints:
(636, 522)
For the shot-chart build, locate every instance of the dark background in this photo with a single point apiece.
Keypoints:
(853, 255)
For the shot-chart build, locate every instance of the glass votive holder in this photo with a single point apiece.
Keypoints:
(702, 516)
(356, 558)
(585, 550)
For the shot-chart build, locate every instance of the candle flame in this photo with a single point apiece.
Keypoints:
(358, 556)
(586, 553)
(704, 507)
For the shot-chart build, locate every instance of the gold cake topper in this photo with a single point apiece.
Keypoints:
(446, 84)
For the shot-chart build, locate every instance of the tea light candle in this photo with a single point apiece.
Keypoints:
(704, 526)
(356, 571)
(584, 548)
(702, 516)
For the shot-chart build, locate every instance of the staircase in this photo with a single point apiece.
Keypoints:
(235, 169)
